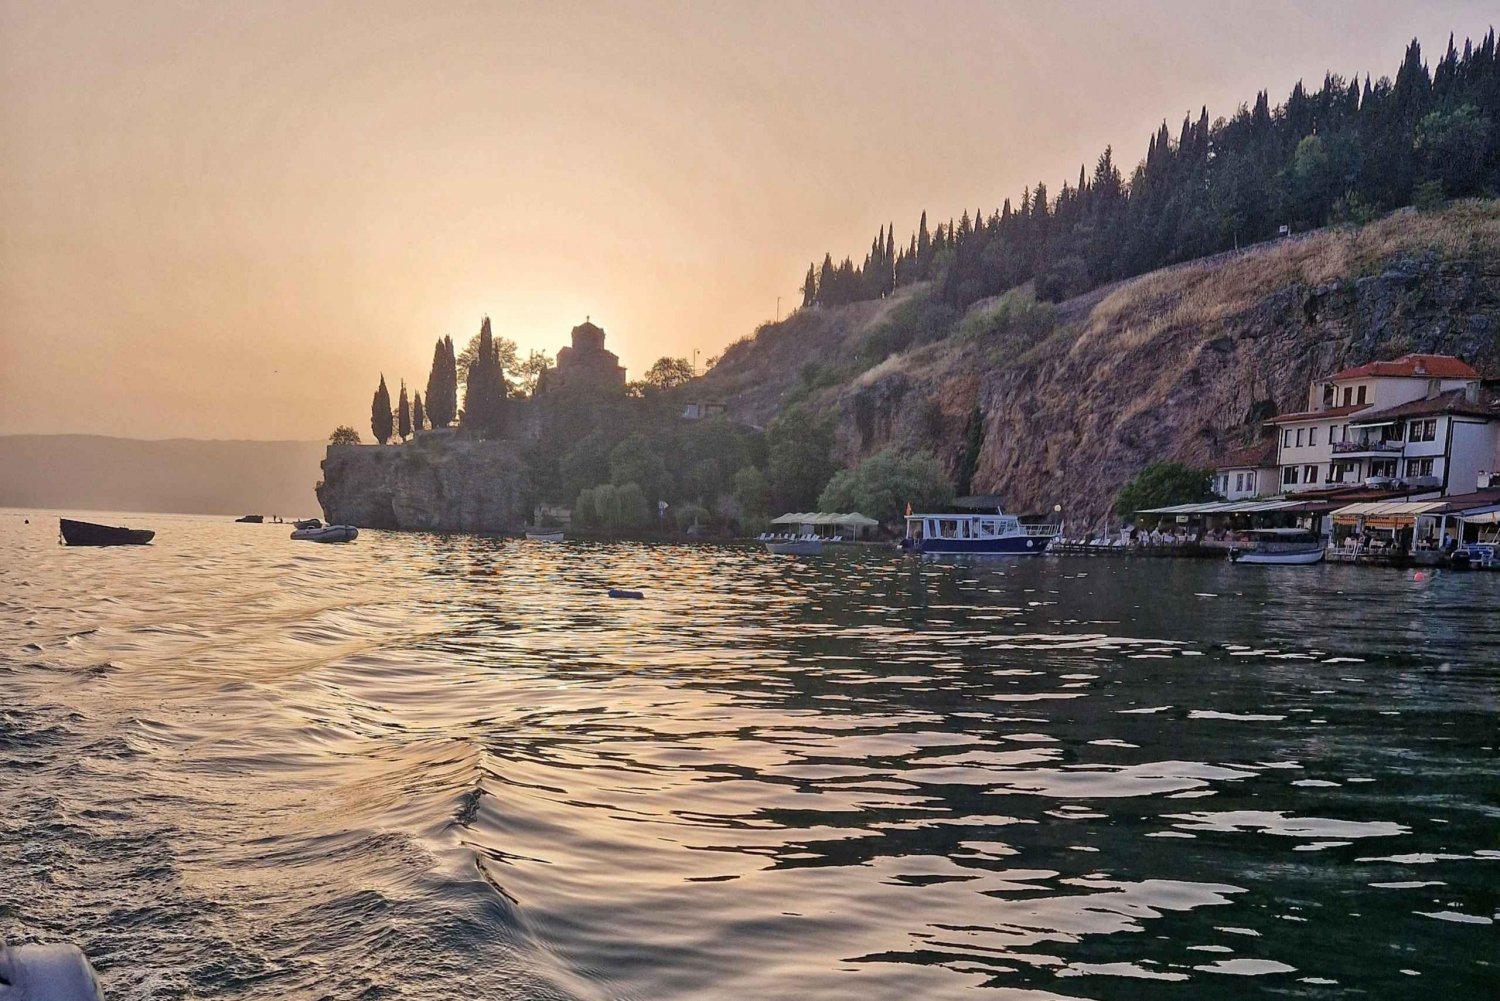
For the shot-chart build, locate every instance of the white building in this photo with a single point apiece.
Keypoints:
(1248, 472)
(1422, 422)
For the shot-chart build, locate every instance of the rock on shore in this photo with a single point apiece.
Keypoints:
(438, 482)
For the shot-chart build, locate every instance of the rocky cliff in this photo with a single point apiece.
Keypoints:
(1183, 363)
(438, 482)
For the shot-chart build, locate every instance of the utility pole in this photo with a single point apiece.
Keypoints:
(778, 309)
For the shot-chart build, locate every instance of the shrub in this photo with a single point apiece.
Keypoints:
(688, 515)
(885, 483)
(1162, 484)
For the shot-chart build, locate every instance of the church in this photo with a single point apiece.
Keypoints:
(585, 363)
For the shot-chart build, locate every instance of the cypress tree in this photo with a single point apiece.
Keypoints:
(380, 413)
(484, 396)
(418, 417)
(810, 287)
(442, 385)
(403, 414)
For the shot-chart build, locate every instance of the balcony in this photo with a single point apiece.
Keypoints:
(1361, 447)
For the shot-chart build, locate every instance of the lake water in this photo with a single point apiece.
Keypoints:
(422, 766)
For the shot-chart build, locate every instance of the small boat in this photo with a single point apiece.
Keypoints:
(544, 535)
(804, 545)
(252, 519)
(986, 534)
(326, 533)
(86, 533)
(1281, 547)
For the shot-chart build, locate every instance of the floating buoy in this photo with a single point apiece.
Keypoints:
(1419, 575)
(616, 592)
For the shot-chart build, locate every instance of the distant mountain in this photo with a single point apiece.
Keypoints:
(94, 472)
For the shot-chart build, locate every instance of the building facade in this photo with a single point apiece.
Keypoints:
(586, 362)
(1420, 423)
(1248, 472)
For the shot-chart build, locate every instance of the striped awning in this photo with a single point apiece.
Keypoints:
(1225, 507)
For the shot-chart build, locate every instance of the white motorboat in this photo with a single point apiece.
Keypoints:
(313, 530)
(541, 536)
(989, 534)
(1281, 547)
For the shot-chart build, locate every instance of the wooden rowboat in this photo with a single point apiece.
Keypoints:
(86, 533)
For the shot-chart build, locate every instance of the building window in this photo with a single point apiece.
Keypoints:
(1286, 438)
(1348, 395)
(1425, 430)
(1394, 432)
(1339, 471)
(1309, 474)
(1299, 437)
(1418, 467)
(1382, 467)
(1239, 482)
(1361, 395)
(1289, 476)
(1312, 436)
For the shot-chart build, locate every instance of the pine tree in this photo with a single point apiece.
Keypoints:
(403, 414)
(418, 416)
(380, 413)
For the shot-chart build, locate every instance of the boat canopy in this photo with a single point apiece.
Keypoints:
(851, 520)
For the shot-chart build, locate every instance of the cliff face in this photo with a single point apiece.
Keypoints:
(1183, 363)
(435, 483)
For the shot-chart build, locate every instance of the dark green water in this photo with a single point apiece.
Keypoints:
(426, 767)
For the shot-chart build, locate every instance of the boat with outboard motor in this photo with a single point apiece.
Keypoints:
(86, 533)
(1281, 547)
(985, 534)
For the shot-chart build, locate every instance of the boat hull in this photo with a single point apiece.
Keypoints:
(1301, 558)
(794, 548)
(328, 533)
(545, 536)
(86, 533)
(1016, 545)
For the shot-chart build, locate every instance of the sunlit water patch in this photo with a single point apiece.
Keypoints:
(428, 766)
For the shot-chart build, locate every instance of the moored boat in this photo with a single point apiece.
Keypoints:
(1281, 547)
(252, 519)
(987, 534)
(807, 545)
(86, 533)
(543, 535)
(325, 533)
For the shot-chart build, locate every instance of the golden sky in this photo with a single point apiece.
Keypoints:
(226, 219)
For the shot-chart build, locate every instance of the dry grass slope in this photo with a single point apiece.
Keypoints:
(1204, 293)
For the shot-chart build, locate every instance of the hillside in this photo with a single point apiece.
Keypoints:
(93, 472)
(1182, 363)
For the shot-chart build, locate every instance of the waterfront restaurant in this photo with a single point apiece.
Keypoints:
(1405, 528)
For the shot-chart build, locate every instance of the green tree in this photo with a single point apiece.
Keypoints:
(528, 373)
(442, 385)
(799, 450)
(344, 435)
(418, 416)
(1452, 146)
(484, 393)
(637, 461)
(1163, 484)
(632, 509)
(668, 373)
(403, 414)
(752, 492)
(380, 413)
(883, 485)
(586, 509)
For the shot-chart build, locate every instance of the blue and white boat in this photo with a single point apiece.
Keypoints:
(992, 534)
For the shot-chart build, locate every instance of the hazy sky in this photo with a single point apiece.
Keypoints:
(226, 219)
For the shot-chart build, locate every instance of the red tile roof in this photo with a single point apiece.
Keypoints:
(1455, 401)
(1314, 415)
(1410, 367)
(1262, 453)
